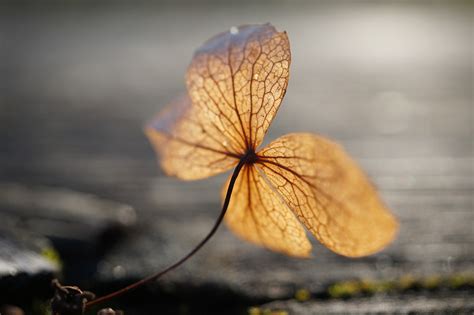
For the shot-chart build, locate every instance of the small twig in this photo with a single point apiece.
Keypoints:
(151, 278)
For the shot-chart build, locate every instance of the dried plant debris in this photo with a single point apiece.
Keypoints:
(69, 300)
(235, 84)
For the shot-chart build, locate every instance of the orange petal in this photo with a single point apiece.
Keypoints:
(329, 193)
(259, 215)
(189, 145)
(239, 78)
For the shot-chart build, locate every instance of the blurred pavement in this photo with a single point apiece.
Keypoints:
(391, 81)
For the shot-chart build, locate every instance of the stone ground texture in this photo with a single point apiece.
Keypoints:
(391, 82)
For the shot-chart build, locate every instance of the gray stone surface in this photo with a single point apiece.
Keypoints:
(391, 82)
(81, 227)
(63, 213)
(27, 264)
(21, 253)
(451, 303)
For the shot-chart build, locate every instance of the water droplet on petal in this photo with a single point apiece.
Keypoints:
(234, 30)
(224, 143)
(255, 76)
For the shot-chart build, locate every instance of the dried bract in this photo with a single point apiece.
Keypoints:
(236, 82)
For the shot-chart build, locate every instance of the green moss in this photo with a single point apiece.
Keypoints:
(266, 311)
(431, 282)
(254, 311)
(406, 282)
(302, 295)
(368, 286)
(385, 286)
(52, 255)
(353, 288)
(460, 280)
(344, 289)
(347, 289)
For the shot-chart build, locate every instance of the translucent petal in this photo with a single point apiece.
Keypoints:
(329, 194)
(258, 214)
(189, 144)
(239, 78)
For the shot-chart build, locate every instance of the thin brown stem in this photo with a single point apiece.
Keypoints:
(155, 276)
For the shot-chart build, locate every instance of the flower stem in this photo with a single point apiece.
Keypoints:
(155, 276)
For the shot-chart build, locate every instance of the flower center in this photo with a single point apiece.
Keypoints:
(250, 157)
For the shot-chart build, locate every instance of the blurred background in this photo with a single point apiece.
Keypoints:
(82, 197)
